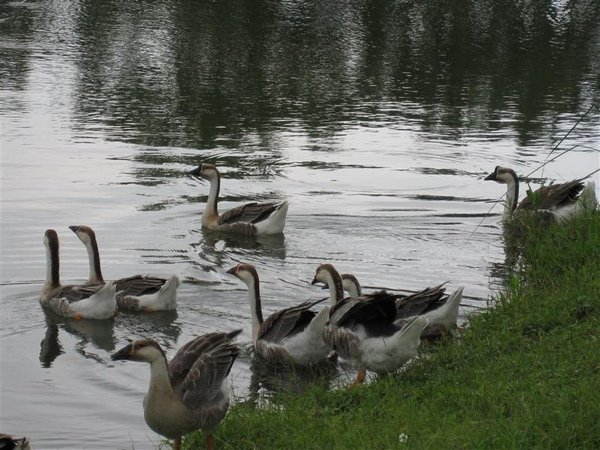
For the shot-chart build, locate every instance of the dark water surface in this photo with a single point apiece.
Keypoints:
(376, 120)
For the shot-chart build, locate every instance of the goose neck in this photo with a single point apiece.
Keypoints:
(94, 261)
(52, 266)
(336, 287)
(512, 195)
(255, 307)
(213, 196)
(159, 376)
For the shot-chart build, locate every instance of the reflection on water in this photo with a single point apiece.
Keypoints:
(377, 121)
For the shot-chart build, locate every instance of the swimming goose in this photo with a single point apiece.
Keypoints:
(556, 201)
(289, 336)
(250, 219)
(432, 303)
(363, 329)
(191, 391)
(136, 293)
(77, 302)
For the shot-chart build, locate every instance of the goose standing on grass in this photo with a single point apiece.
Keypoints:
(191, 391)
(249, 219)
(556, 201)
(77, 302)
(136, 293)
(432, 303)
(290, 336)
(363, 329)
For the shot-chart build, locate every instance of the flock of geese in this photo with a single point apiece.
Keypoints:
(376, 332)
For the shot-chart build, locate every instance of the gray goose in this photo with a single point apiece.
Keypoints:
(363, 329)
(291, 336)
(191, 391)
(77, 302)
(249, 219)
(555, 202)
(138, 293)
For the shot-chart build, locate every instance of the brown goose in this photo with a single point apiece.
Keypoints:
(556, 201)
(289, 336)
(363, 329)
(136, 293)
(250, 219)
(77, 302)
(191, 391)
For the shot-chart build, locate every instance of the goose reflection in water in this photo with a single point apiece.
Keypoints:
(216, 248)
(269, 379)
(98, 333)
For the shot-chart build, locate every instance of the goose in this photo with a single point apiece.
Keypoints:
(291, 336)
(8, 442)
(77, 302)
(136, 293)
(555, 202)
(191, 391)
(363, 329)
(439, 308)
(249, 219)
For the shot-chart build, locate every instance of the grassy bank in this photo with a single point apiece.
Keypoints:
(525, 374)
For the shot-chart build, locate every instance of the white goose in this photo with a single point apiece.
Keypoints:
(363, 329)
(290, 336)
(556, 201)
(249, 219)
(77, 302)
(191, 391)
(432, 303)
(136, 293)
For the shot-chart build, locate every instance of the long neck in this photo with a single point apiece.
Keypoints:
(52, 267)
(336, 287)
(255, 307)
(94, 262)
(512, 195)
(159, 376)
(213, 196)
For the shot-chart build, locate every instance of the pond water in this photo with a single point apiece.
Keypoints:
(376, 120)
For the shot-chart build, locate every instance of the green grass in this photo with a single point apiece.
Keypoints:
(524, 374)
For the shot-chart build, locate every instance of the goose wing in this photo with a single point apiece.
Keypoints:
(553, 196)
(287, 322)
(76, 293)
(204, 379)
(377, 307)
(138, 285)
(251, 213)
(421, 302)
(185, 361)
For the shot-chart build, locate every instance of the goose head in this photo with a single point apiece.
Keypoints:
(245, 272)
(85, 234)
(502, 175)
(327, 274)
(205, 171)
(144, 350)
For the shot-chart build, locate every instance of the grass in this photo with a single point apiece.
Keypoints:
(524, 374)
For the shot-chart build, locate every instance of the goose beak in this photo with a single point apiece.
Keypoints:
(233, 271)
(74, 228)
(314, 281)
(124, 353)
(491, 176)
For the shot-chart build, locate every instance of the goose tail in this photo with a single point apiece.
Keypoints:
(588, 196)
(168, 291)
